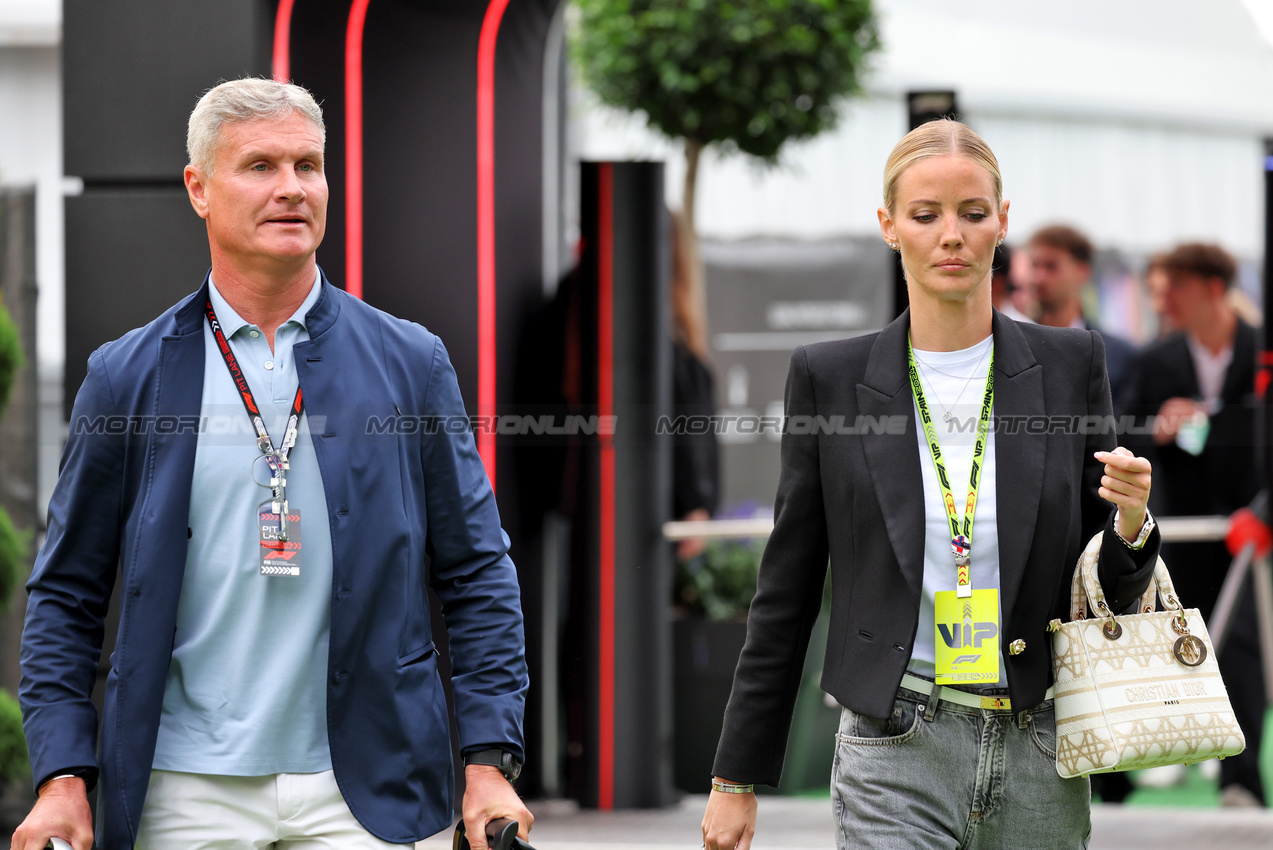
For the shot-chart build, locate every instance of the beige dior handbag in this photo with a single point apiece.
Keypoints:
(1136, 690)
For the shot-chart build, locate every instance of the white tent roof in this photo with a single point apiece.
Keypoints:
(1138, 120)
(1177, 61)
(28, 23)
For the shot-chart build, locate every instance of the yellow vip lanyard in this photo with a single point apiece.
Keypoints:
(960, 533)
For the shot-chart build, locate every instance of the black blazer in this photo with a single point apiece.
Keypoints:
(1121, 358)
(855, 500)
(1220, 480)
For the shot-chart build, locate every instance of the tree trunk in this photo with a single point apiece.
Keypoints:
(692, 150)
(694, 297)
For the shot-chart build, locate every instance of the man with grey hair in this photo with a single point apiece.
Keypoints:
(275, 681)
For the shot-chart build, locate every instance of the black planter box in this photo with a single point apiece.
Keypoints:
(705, 654)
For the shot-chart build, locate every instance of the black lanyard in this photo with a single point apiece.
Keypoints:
(263, 440)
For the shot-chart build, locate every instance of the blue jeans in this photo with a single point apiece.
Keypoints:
(968, 779)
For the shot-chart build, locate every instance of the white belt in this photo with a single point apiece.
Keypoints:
(923, 686)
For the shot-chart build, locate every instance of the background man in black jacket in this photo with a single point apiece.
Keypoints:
(1200, 384)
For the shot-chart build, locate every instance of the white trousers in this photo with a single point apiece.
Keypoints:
(288, 811)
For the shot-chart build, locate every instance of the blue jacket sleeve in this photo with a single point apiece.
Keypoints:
(473, 576)
(70, 589)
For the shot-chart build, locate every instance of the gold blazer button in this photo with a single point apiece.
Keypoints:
(1016, 647)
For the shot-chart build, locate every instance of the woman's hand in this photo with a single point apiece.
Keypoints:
(730, 821)
(1126, 485)
(692, 546)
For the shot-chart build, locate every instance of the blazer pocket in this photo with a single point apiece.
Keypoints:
(417, 655)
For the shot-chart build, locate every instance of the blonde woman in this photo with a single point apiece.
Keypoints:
(695, 457)
(951, 507)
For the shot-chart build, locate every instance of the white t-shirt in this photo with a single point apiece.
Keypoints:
(955, 382)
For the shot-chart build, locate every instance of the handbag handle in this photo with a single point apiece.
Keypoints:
(1086, 592)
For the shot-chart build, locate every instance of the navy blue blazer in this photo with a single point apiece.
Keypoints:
(406, 506)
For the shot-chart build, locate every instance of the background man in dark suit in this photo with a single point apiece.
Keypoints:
(1061, 263)
(1200, 385)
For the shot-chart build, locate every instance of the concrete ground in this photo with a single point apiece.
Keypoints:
(793, 824)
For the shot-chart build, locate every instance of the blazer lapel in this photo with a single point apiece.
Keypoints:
(179, 390)
(892, 460)
(179, 399)
(1019, 455)
(1237, 387)
(1178, 350)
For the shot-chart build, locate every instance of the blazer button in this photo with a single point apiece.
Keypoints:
(1016, 647)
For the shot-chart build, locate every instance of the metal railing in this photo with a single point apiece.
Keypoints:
(1176, 529)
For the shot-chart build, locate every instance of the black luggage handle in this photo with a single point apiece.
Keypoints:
(501, 834)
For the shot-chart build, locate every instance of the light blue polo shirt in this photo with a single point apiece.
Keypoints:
(246, 692)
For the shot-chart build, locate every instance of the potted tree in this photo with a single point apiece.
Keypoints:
(739, 76)
(747, 77)
(712, 594)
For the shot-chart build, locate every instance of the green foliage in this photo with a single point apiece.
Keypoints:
(14, 762)
(720, 583)
(10, 356)
(744, 74)
(14, 545)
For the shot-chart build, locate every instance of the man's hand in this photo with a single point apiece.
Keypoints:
(729, 822)
(62, 811)
(1173, 413)
(1126, 485)
(487, 797)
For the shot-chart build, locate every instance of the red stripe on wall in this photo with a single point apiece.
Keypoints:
(281, 66)
(486, 345)
(605, 407)
(353, 147)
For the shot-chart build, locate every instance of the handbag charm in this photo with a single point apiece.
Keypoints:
(1138, 690)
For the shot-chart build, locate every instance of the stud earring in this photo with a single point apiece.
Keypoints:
(893, 245)
(1000, 242)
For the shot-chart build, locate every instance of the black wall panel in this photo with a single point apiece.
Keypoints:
(130, 255)
(519, 108)
(318, 64)
(133, 69)
(420, 172)
(641, 664)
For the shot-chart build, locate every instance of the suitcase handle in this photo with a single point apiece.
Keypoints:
(501, 834)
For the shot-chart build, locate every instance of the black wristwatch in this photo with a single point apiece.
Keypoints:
(505, 761)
